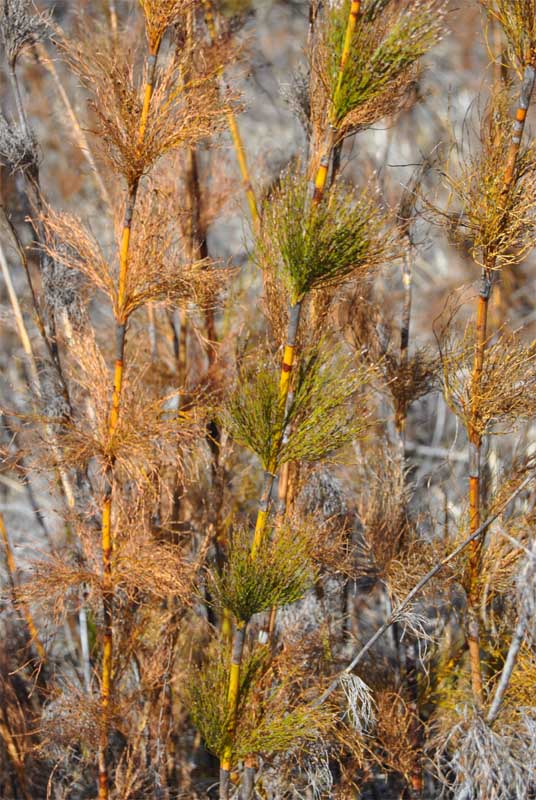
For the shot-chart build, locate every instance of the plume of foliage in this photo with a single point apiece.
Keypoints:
(506, 390)
(389, 40)
(158, 268)
(498, 227)
(279, 573)
(324, 412)
(346, 236)
(181, 111)
(280, 718)
(518, 20)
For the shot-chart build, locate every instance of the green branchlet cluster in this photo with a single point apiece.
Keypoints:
(346, 235)
(321, 417)
(389, 38)
(279, 573)
(270, 717)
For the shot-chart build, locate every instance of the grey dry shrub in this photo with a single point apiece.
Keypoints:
(18, 149)
(20, 27)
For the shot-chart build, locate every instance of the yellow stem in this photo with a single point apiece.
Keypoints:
(233, 128)
(355, 8)
(106, 529)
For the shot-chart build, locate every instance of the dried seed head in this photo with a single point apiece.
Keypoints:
(20, 27)
(360, 704)
(159, 16)
(18, 150)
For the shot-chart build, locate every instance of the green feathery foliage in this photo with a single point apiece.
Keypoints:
(271, 716)
(279, 731)
(206, 694)
(323, 415)
(390, 37)
(280, 573)
(345, 235)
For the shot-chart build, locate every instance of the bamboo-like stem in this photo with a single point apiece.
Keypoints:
(475, 439)
(285, 375)
(233, 129)
(284, 386)
(12, 572)
(355, 8)
(415, 591)
(330, 140)
(260, 528)
(106, 524)
(232, 702)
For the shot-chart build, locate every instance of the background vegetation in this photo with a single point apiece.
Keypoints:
(267, 400)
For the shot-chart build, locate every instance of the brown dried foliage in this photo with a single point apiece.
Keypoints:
(498, 227)
(183, 111)
(506, 393)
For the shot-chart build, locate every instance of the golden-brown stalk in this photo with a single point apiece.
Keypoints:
(330, 139)
(106, 525)
(232, 702)
(234, 131)
(475, 438)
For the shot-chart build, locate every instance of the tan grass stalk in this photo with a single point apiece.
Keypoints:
(234, 130)
(78, 132)
(19, 319)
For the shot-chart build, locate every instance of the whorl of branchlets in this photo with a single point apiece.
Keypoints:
(18, 150)
(20, 27)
